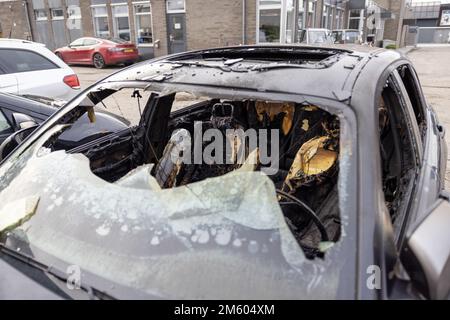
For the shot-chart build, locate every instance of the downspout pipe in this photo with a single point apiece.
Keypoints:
(244, 22)
(27, 15)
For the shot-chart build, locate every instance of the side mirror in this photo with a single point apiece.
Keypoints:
(14, 140)
(427, 253)
(22, 121)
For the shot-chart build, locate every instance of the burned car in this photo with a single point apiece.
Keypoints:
(270, 172)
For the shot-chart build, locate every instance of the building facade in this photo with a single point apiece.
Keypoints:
(160, 27)
(427, 23)
(378, 20)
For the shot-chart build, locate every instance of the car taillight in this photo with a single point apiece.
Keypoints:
(115, 49)
(72, 81)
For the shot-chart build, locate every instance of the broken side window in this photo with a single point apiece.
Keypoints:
(398, 152)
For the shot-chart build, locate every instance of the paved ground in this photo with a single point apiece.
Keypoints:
(433, 66)
(120, 102)
(89, 75)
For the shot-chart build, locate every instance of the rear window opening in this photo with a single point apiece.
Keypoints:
(296, 145)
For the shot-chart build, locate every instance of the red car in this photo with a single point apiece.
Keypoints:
(98, 52)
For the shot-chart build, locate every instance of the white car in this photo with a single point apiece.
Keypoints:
(30, 68)
(315, 36)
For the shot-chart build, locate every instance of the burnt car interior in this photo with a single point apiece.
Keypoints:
(306, 181)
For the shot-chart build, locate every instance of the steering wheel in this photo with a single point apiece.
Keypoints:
(14, 140)
(315, 219)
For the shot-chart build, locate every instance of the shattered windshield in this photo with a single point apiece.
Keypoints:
(205, 195)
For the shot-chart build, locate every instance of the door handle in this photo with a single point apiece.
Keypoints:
(441, 129)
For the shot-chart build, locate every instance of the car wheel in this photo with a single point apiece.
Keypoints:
(98, 60)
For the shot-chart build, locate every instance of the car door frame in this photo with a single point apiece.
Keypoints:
(74, 52)
(389, 239)
(429, 185)
(417, 141)
(421, 149)
(87, 50)
(377, 252)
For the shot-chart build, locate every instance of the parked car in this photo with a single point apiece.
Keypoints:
(99, 52)
(349, 204)
(22, 114)
(346, 36)
(314, 36)
(30, 68)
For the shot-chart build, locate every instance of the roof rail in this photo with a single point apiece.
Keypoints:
(21, 41)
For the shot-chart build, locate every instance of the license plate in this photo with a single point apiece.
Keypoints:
(128, 50)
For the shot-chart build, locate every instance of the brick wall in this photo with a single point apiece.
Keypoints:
(159, 26)
(392, 25)
(13, 20)
(319, 13)
(86, 21)
(251, 21)
(217, 23)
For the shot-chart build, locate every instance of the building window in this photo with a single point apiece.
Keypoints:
(57, 13)
(290, 23)
(277, 19)
(353, 19)
(339, 19)
(73, 23)
(290, 16)
(73, 12)
(121, 22)
(176, 6)
(143, 23)
(40, 14)
(301, 14)
(327, 17)
(269, 25)
(269, 21)
(100, 16)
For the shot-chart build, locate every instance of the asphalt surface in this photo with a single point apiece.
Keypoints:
(90, 75)
(432, 65)
(121, 102)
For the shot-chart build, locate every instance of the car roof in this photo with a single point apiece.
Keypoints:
(19, 43)
(37, 47)
(332, 76)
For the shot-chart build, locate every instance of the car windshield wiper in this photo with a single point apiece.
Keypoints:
(58, 274)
